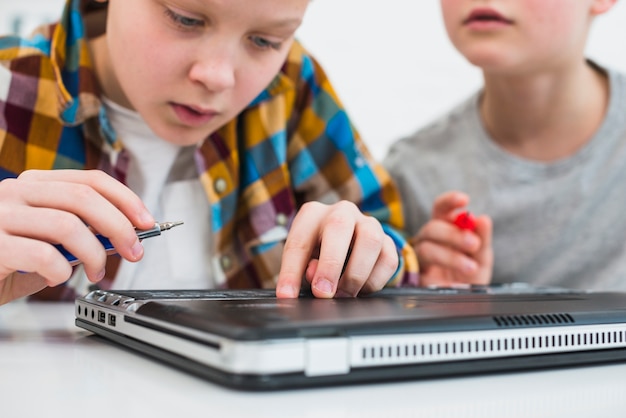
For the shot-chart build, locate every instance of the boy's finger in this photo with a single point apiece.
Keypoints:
(301, 241)
(385, 267)
(449, 235)
(484, 229)
(111, 189)
(336, 238)
(92, 208)
(430, 253)
(369, 238)
(448, 202)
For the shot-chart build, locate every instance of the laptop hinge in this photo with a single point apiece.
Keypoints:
(326, 356)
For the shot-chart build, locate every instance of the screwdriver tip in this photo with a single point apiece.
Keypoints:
(169, 225)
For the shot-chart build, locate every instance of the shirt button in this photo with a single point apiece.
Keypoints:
(226, 263)
(281, 219)
(220, 185)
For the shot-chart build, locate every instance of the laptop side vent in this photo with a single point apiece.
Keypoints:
(470, 345)
(534, 320)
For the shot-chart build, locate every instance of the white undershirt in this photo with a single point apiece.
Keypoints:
(181, 257)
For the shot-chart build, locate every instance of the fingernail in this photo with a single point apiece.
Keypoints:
(324, 286)
(469, 266)
(146, 217)
(137, 250)
(100, 275)
(286, 290)
(470, 241)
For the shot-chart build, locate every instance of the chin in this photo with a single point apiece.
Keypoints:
(172, 131)
(489, 62)
(486, 53)
(180, 135)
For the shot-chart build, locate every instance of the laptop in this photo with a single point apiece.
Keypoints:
(248, 339)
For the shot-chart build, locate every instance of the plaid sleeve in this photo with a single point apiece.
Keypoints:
(47, 90)
(329, 162)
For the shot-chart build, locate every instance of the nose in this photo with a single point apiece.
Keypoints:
(214, 68)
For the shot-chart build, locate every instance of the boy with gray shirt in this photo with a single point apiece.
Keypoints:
(541, 149)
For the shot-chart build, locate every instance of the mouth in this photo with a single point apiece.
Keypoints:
(486, 16)
(193, 115)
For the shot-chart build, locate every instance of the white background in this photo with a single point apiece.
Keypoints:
(390, 61)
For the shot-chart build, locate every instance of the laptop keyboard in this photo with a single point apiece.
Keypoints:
(493, 289)
(235, 294)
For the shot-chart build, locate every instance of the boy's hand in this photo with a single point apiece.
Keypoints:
(449, 254)
(339, 251)
(41, 208)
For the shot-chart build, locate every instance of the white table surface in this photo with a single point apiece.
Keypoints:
(51, 368)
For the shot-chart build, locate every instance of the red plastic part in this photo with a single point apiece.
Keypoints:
(465, 220)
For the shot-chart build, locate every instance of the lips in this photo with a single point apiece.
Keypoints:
(485, 16)
(193, 115)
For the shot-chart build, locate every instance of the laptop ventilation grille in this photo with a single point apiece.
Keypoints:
(398, 350)
(539, 319)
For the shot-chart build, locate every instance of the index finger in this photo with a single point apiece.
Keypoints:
(114, 191)
(102, 202)
(447, 202)
(301, 241)
(484, 229)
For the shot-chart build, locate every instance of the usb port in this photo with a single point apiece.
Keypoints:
(112, 320)
(101, 317)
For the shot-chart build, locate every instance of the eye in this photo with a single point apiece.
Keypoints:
(183, 21)
(263, 43)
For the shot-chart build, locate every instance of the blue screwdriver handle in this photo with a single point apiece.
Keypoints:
(72, 258)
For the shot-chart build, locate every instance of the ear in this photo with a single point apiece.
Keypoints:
(599, 7)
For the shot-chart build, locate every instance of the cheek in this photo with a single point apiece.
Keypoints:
(556, 19)
(145, 67)
(157, 63)
(451, 13)
(558, 33)
(140, 48)
(254, 77)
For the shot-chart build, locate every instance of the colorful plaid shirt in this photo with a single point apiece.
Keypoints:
(294, 143)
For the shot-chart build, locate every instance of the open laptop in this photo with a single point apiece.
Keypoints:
(251, 340)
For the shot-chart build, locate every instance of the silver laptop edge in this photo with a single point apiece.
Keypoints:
(319, 356)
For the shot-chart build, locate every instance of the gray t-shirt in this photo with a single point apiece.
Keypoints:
(558, 223)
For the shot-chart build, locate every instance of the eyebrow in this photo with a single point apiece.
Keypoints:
(286, 22)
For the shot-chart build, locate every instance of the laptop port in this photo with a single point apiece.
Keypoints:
(101, 317)
(112, 320)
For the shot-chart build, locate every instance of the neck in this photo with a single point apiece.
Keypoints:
(545, 116)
